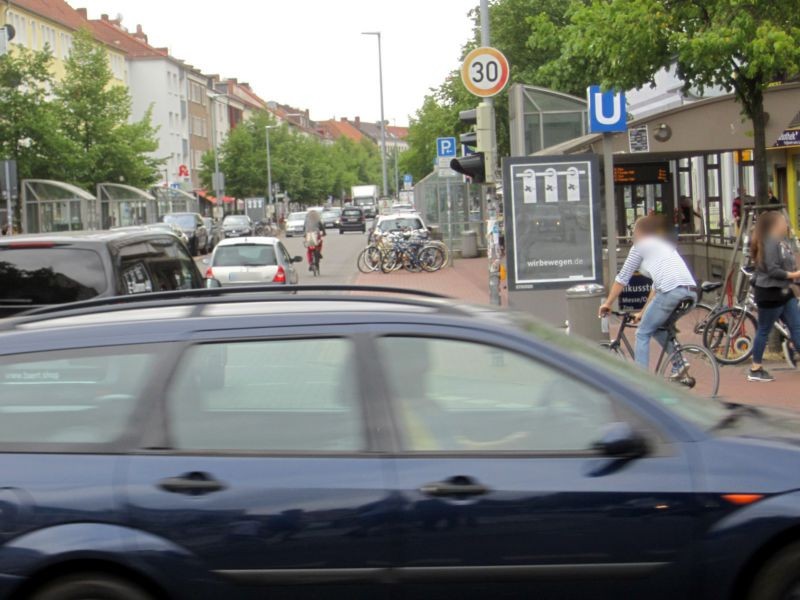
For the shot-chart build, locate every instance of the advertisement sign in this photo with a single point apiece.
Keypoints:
(552, 219)
(634, 295)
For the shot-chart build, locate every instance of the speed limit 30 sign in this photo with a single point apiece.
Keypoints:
(485, 72)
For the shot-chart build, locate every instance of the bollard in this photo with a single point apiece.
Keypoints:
(494, 283)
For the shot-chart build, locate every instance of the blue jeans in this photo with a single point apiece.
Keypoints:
(655, 315)
(790, 313)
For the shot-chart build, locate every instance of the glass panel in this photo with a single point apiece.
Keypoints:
(286, 395)
(50, 275)
(251, 255)
(533, 135)
(71, 397)
(560, 127)
(712, 183)
(547, 102)
(454, 395)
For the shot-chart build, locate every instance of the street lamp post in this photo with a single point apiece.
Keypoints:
(269, 165)
(218, 192)
(383, 122)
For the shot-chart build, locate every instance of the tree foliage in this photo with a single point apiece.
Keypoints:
(742, 46)
(306, 168)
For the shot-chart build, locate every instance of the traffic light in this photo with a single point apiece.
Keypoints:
(7, 34)
(474, 165)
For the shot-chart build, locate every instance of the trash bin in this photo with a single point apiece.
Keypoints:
(469, 244)
(435, 232)
(582, 304)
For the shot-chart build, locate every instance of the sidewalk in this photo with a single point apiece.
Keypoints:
(468, 280)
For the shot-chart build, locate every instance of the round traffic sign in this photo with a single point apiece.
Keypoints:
(485, 72)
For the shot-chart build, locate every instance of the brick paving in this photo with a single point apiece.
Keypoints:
(468, 280)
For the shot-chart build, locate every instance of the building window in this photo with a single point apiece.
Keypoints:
(66, 45)
(197, 93)
(20, 25)
(199, 127)
(197, 159)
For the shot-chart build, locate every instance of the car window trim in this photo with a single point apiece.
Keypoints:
(371, 433)
(660, 442)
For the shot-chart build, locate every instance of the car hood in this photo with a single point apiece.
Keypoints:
(760, 453)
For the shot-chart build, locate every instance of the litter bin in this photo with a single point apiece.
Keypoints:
(582, 304)
(435, 232)
(469, 244)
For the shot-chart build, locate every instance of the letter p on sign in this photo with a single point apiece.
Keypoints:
(607, 111)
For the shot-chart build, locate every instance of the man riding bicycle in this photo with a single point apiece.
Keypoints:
(672, 283)
(314, 232)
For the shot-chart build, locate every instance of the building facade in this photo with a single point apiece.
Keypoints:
(200, 126)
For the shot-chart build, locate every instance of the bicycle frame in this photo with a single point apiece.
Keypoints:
(626, 323)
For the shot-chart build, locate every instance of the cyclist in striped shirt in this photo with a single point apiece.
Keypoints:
(654, 256)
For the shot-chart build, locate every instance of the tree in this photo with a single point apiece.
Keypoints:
(30, 132)
(94, 118)
(742, 46)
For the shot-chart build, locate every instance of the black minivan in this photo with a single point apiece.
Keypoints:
(55, 268)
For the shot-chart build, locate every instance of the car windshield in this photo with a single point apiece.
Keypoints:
(49, 275)
(364, 201)
(703, 412)
(400, 224)
(245, 255)
(299, 216)
(334, 212)
(182, 221)
(351, 212)
(236, 221)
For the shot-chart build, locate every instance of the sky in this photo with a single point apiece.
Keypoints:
(310, 53)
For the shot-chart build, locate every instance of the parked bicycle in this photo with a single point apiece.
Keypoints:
(689, 365)
(392, 251)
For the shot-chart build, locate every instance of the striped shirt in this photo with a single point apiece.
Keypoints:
(660, 261)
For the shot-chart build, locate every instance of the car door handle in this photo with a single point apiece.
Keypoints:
(195, 483)
(455, 486)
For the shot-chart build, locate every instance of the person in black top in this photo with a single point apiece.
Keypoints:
(776, 270)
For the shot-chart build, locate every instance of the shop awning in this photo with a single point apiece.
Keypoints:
(209, 198)
(790, 136)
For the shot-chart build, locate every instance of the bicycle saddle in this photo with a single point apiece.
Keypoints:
(710, 286)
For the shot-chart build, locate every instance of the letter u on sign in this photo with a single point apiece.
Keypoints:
(607, 111)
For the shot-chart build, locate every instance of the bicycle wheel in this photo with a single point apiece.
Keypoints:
(411, 261)
(615, 350)
(390, 261)
(729, 334)
(369, 259)
(692, 324)
(694, 368)
(432, 258)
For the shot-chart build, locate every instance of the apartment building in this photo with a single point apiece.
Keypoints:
(200, 125)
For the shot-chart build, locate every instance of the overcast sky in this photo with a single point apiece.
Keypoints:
(309, 53)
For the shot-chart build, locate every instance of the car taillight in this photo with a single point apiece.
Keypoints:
(209, 273)
(280, 276)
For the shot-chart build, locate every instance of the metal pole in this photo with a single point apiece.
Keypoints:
(486, 41)
(269, 170)
(611, 209)
(9, 218)
(383, 122)
(214, 117)
(396, 173)
(450, 223)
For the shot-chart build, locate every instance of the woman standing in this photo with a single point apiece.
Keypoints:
(776, 269)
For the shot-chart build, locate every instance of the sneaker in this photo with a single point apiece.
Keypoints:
(759, 374)
(679, 370)
(789, 354)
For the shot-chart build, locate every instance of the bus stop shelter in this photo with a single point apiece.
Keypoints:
(124, 205)
(169, 200)
(53, 206)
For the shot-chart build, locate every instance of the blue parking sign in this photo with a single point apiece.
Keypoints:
(445, 147)
(607, 111)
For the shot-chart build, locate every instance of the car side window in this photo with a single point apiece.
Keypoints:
(84, 396)
(452, 395)
(267, 396)
(286, 256)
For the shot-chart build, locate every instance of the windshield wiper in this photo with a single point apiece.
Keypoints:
(737, 411)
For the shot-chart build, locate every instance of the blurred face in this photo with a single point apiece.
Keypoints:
(780, 228)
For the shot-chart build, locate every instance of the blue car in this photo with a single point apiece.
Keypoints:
(246, 443)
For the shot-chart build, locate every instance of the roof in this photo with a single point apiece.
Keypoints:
(256, 240)
(398, 132)
(342, 128)
(71, 237)
(55, 10)
(111, 32)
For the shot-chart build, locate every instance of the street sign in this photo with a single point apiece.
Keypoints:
(552, 220)
(408, 181)
(485, 72)
(607, 111)
(446, 146)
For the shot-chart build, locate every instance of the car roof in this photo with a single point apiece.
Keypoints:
(403, 215)
(252, 240)
(101, 236)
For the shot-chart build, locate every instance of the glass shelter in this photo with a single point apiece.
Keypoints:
(53, 206)
(124, 205)
(174, 200)
(540, 118)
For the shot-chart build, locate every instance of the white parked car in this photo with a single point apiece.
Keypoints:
(399, 222)
(295, 223)
(252, 261)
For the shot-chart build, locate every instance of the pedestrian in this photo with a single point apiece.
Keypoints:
(673, 283)
(775, 271)
(737, 208)
(772, 200)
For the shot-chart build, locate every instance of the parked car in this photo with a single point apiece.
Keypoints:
(246, 444)
(171, 227)
(252, 260)
(54, 268)
(237, 226)
(216, 233)
(400, 222)
(295, 223)
(403, 207)
(192, 226)
(331, 217)
(352, 219)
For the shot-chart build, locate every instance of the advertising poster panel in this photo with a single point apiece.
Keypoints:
(552, 221)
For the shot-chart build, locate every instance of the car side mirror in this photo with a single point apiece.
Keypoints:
(297, 259)
(621, 440)
(212, 282)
